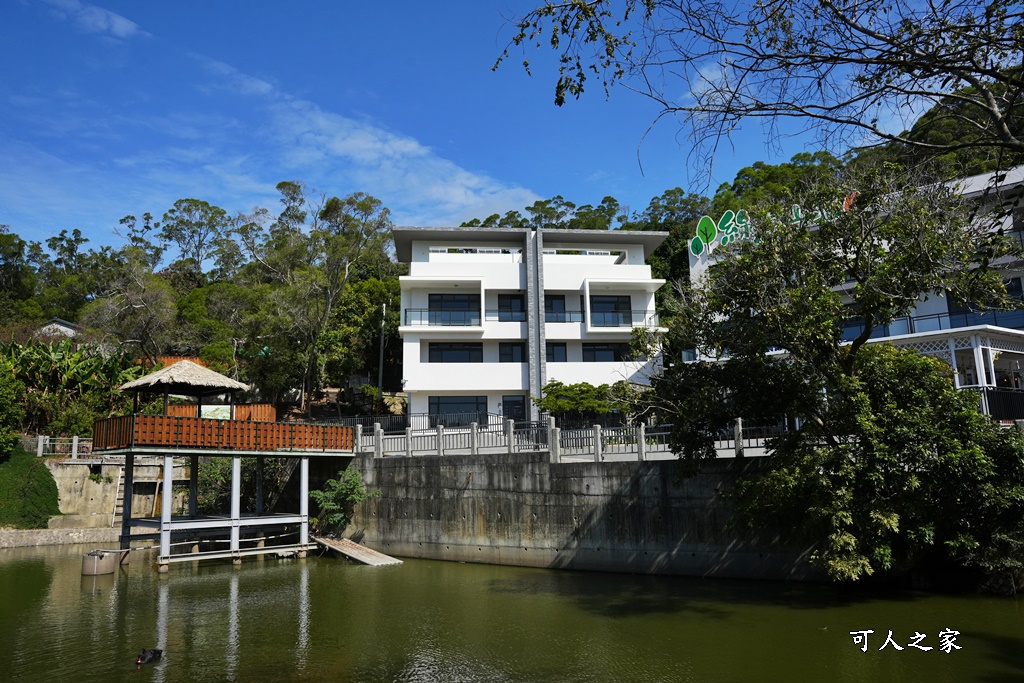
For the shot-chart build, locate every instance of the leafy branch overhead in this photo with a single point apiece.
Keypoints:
(848, 68)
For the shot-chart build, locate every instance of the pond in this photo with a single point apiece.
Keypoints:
(323, 619)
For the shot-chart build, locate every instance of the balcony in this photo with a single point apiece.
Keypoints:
(416, 317)
(623, 319)
(937, 322)
(190, 433)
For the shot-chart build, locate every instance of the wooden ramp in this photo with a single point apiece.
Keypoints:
(359, 553)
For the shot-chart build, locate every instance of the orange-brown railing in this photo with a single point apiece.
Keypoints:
(167, 431)
(258, 412)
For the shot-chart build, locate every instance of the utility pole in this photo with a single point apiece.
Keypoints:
(380, 361)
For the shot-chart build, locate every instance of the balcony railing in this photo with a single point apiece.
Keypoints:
(563, 317)
(165, 431)
(937, 322)
(623, 319)
(425, 316)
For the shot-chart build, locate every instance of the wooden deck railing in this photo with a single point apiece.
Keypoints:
(165, 431)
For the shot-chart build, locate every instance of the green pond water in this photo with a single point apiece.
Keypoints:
(322, 619)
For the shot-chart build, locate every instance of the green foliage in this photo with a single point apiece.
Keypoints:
(28, 493)
(583, 401)
(351, 342)
(17, 281)
(68, 385)
(890, 468)
(213, 485)
(11, 408)
(902, 468)
(338, 499)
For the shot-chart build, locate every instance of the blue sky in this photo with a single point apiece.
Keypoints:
(123, 107)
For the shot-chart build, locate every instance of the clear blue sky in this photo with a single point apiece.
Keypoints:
(123, 107)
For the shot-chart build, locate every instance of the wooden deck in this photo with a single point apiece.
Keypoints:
(359, 553)
(167, 431)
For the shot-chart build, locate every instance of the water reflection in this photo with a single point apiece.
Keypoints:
(162, 609)
(302, 644)
(231, 656)
(320, 619)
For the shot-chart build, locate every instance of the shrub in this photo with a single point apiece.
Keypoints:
(28, 493)
(338, 499)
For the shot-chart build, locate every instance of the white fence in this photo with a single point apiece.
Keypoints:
(63, 447)
(596, 444)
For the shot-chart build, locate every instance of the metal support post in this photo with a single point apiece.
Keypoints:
(304, 503)
(126, 508)
(236, 506)
(259, 486)
(193, 485)
(165, 510)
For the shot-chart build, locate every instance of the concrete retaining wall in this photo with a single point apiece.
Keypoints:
(86, 502)
(523, 510)
(17, 538)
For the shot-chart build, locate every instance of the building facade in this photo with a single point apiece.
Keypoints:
(489, 316)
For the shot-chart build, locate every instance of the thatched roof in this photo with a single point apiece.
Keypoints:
(185, 378)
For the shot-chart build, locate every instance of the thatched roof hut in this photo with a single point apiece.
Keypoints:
(185, 378)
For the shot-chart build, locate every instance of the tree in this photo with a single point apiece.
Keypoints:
(196, 227)
(918, 475)
(351, 342)
(309, 271)
(879, 430)
(17, 280)
(847, 68)
(69, 275)
(137, 307)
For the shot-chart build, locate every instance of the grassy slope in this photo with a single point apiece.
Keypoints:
(28, 494)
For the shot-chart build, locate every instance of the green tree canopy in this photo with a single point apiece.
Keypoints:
(789, 313)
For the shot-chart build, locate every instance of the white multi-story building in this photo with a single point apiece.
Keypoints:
(489, 316)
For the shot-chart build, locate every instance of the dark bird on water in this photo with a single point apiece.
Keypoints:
(147, 656)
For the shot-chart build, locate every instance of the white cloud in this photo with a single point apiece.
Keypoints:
(94, 19)
(235, 80)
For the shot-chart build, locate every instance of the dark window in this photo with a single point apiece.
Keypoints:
(606, 353)
(512, 352)
(511, 308)
(513, 407)
(454, 309)
(554, 308)
(457, 411)
(556, 352)
(454, 352)
(610, 310)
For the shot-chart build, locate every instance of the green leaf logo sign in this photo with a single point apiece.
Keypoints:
(726, 227)
(706, 234)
